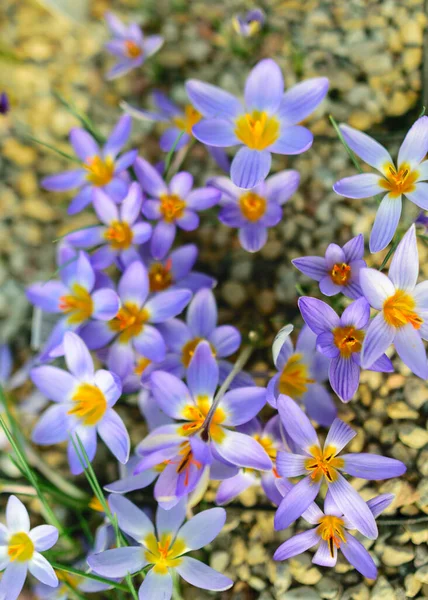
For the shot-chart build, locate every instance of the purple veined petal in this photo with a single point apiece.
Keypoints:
(376, 286)
(169, 138)
(181, 184)
(118, 562)
(170, 521)
(17, 518)
(164, 305)
(296, 423)
(216, 132)
(212, 101)
(373, 153)
(96, 334)
(225, 185)
(330, 506)
(242, 404)
(152, 44)
(134, 284)
(379, 336)
(272, 216)
(386, 223)
(291, 465)
(41, 569)
(312, 514)
(231, 215)
(358, 556)
(141, 232)
(88, 437)
(65, 181)
(203, 372)
(203, 198)
(105, 208)
(182, 260)
(47, 295)
(52, 427)
(188, 221)
(202, 314)
(232, 487)
(77, 357)
(363, 185)
(420, 295)
(404, 268)
(83, 144)
(150, 344)
(113, 432)
(292, 140)
(381, 365)
(110, 384)
(243, 451)
(334, 254)
(81, 200)
(312, 266)
(281, 186)
(372, 466)
(106, 304)
(161, 454)
(85, 238)
(201, 575)
(354, 249)
(120, 69)
(44, 537)
(156, 586)
(344, 377)
(318, 315)
(253, 237)
(13, 580)
(297, 544)
(353, 506)
(410, 348)
(149, 178)
(162, 239)
(339, 436)
(250, 167)
(415, 145)
(268, 483)
(419, 196)
(323, 557)
(356, 314)
(131, 519)
(226, 340)
(132, 482)
(202, 529)
(319, 405)
(85, 275)
(264, 87)
(298, 499)
(302, 99)
(328, 287)
(118, 137)
(326, 345)
(380, 503)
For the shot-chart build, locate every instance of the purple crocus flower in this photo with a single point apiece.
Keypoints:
(249, 24)
(407, 178)
(76, 297)
(101, 169)
(318, 463)
(201, 324)
(403, 306)
(422, 220)
(340, 339)
(332, 535)
(173, 205)
(265, 123)
(4, 103)
(84, 399)
(133, 326)
(339, 270)
(129, 45)
(122, 230)
(163, 548)
(302, 372)
(253, 211)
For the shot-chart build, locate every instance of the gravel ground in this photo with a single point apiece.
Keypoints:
(372, 52)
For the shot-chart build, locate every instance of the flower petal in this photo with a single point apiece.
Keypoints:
(203, 372)
(372, 466)
(296, 502)
(164, 305)
(149, 178)
(203, 198)
(344, 375)
(211, 100)
(226, 340)
(373, 153)
(233, 486)
(356, 314)
(162, 239)
(357, 555)
(250, 167)
(386, 223)
(380, 503)
(297, 544)
(17, 518)
(113, 432)
(44, 537)
(411, 350)
(56, 384)
(118, 562)
(202, 314)
(118, 137)
(202, 576)
(379, 336)
(170, 393)
(419, 196)
(64, 181)
(13, 580)
(242, 404)
(292, 140)
(290, 465)
(40, 568)
(415, 145)
(376, 286)
(318, 315)
(201, 529)
(296, 423)
(323, 557)
(78, 357)
(302, 99)
(253, 237)
(131, 519)
(404, 268)
(243, 451)
(170, 521)
(47, 295)
(312, 266)
(319, 405)
(52, 427)
(150, 344)
(353, 506)
(339, 436)
(264, 87)
(363, 185)
(215, 132)
(88, 438)
(106, 304)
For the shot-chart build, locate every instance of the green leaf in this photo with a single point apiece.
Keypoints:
(347, 148)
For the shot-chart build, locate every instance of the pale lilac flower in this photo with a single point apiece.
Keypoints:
(339, 270)
(163, 548)
(84, 400)
(403, 306)
(173, 205)
(20, 550)
(6, 364)
(101, 169)
(340, 339)
(332, 534)
(254, 211)
(266, 122)
(407, 178)
(250, 23)
(121, 233)
(4, 103)
(302, 372)
(422, 220)
(129, 46)
(321, 463)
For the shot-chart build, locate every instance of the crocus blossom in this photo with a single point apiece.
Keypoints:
(407, 179)
(129, 46)
(265, 123)
(253, 211)
(339, 270)
(162, 548)
(322, 463)
(4, 103)
(340, 339)
(84, 400)
(20, 549)
(250, 23)
(173, 205)
(100, 169)
(403, 306)
(332, 534)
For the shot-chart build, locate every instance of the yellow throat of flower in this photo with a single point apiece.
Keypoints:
(195, 415)
(160, 276)
(331, 529)
(163, 554)
(172, 207)
(99, 171)
(257, 129)
(340, 273)
(294, 379)
(399, 310)
(252, 206)
(89, 404)
(20, 547)
(119, 235)
(191, 117)
(133, 50)
(399, 181)
(189, 348)
(268, 444)
(323, 463)
(348, 340)
(129, 321)
(78, 305)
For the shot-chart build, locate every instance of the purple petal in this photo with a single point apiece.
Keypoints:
(328, 288)
(323, 557)
(81, 200)
(152, 44)
(201, 575)
(120, 69)
(182, 260)
(379, 336)
(319, 405)
(106, 304)
(376, 286)
(298, 499)
(41, 569)
(243, 451)
(203, 198)
(326, 345)
(415, 145)
(149, 178)
(353, 506)
(83, 144)
(232, 487)
(134, 284)
(169, 521)
(96, 334)
(115, 25)
(150, 344)
(169, 138)
(162, 239)
(334, 254)
(117, 562)
(404, 268)
(110, 385)
(131, 519)
(344, 377)
(281, 186)
(380, 503)
(44, 537)
(293, 140)
(253, 237)
(339, 436)
(297, 544)
(225, 339)
(373, 153)
(203, 372)
(318, 315)
(358, 556)
(64, 181)
(264, 87)
(47, 295)
(118, 137)
(156, 586)
(356, 314)
(164, 305)
(77, 357)
(419, 196)
(117, 188)
(142, 232)
(354, 249)
(215, 132)
(88, 437)
(87, 237)
(132, 483)
(296, 423)
(386, 223)
(52, 427)
(188, 221)
(243, 404)
(212, 101)
(201, 529)
(381, 365)
(291, 465)
(372, 466)
(410, 348)
(364, 185)
(302, 99)
(181, 184)
(250, 167)
(202, 314)
(312, 266)
(115, 436)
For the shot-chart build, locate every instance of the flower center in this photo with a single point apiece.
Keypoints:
(399, 309)
(195, 415)
(324, 463)
(163, 554)
(129, 321)
(133, 50)
(340, 273)
(172, 207)
(100, 172)
(90, 404)
(141, 366)
(268, 445)
(331, 529)
(257, 130)
(119, 235)
(252, 206)
(160, 276)
(96, 505)
(189, 348)
(348, 340)
(294, 379)
(398, 182)
(78, 305)
(20, 547)
(191, 117)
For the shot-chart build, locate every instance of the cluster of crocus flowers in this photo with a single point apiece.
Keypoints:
(250, 23)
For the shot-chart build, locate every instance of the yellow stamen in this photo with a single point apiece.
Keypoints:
(129, 321)
(119, 235)
(340, 273)
(133, 50)
(257, 130)
(90, 404)
(20, 547)
(195, 416)
(191, 117)
(163, 554)
(160, 276)
(78, 305)
(268, 444)
(100, 171)
(252, 206)
(399, 309)
(331, 529)
(399, 181)
(294, 380)
(141, 366)
(96, 505)
(348, 340)
(189, 348)
(172, 207)
(324, 463)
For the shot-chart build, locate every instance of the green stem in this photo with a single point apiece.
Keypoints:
(170, 154)
(347, 148)
(73, 571)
